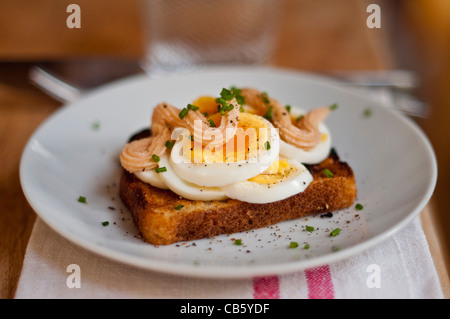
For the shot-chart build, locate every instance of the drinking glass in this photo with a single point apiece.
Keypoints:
(182, 35)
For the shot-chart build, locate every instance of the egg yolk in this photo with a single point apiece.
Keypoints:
(251, 135)
(206, 104)
(279, 170)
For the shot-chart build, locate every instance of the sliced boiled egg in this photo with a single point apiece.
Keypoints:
(151, 177)
(206, 104)
(312, 156)
(186, 189)
(283, 179)
(252, 150)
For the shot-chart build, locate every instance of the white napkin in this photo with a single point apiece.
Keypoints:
(399, 267)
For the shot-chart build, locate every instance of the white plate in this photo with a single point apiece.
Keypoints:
(68, 157)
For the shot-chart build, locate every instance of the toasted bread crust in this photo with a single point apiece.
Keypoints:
(159, 223)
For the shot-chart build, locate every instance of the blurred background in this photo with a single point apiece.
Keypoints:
(326, 36)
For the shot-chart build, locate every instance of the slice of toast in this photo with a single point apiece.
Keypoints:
(159, 223)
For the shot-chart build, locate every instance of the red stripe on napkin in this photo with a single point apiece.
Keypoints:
(266, 287)
(320, 284)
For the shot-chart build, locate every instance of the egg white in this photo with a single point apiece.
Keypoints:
(186, 189)
(252, 192)
(152, 178)
(314, 156)
(221, 174)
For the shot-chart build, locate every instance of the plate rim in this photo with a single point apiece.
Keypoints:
(249, 270)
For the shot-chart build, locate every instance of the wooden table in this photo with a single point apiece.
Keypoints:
(329, 36)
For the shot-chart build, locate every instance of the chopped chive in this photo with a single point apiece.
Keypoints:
(238, 242)
(229, 107)
(155, 158)
(335, 248)
(221, 105)
(82, 199)
(293, 244)
(309, 228)
(105, 223)
(367, 112)
(161, 169)
(288, 108)
(220, 101)
(169, 144)
(359, 206)
(267, 145)
(96, 125)
(178, 207)
(335, 232)
(226, 94)
(300, 117)
(205, 114)
(183, 113)
(265, 97)
(268, 114)
(334, 107)
(328, 173)
(307, 246)
(235, 90)
(191, 137)
(240, 99)
(211, 123)
(192, 107)
(237, 95)
(241, 109)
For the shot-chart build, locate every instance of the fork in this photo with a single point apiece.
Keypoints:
(393, 88)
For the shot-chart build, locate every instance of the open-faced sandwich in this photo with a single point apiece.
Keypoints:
(227, 164)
